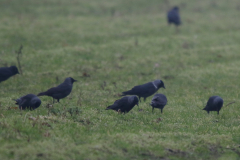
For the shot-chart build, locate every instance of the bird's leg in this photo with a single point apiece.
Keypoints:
(139, 99)
(58, 100)
(218, 112)
(152, 109)
(208, 112)
(161, 110)
(53, 100)
(144, 99)
(177, 29)
(119, 111)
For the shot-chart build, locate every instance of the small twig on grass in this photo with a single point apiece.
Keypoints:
(230, 103)
(103, 85)
(199, 107)
(25, 116)
(19, 53)
(79, 102)
(136, 41)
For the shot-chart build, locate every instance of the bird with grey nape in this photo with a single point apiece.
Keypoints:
(61, 91)
(124, 104)
(146, 89)
(214, 103)
(173, 17)
(158, 101)
(7, 72)
(29, 101)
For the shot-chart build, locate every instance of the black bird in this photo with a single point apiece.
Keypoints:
(173, 16)
(158, 101)
(214, 103)
(7, 72)
(29, 101)
(145, 90)
(61, 91)
(124, 104)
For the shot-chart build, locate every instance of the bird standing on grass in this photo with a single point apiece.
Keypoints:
(124, 104)
(61, 91)
(7, 72)
(145, 90)
(29, 101)
(173, 16)
(158, 101)
(214, 103)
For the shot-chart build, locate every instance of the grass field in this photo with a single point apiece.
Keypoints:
(109, 47)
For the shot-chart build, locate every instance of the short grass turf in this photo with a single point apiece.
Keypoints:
(109, 47)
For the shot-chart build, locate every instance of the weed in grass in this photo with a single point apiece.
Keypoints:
(110, 46)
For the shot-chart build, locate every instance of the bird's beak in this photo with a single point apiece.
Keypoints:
(74, 80)
(164, 87)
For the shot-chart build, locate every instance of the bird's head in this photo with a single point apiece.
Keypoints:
(176, 8)
(159, 83)
(14, 69)
(71, 80)
(134, 100)
(205, 108)
(153, 102)
(36, 102)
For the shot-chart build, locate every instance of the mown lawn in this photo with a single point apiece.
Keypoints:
(109, 47)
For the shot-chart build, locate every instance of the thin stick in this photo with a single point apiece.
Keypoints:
(230, 103)
(19, 53)
(199, 107)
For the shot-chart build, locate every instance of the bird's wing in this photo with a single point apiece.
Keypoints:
(56, 90)
(4, 72)
(210, 101)
(23, 103)
(173, 16)
(159, 100)
(26, 100)
(143, 88)
(118, 104)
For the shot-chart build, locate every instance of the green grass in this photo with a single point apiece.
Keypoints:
(98, 38)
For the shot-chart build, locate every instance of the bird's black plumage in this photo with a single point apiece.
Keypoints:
(7, 72)
(214, 103)
(145, 90)
(124, 104)
(61, 91)
(29, 101)
(158, 101)
(173, 16)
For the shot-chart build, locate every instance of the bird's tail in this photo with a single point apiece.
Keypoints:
(41, 94)
(17, 101)
(127, 93)
(109, 107)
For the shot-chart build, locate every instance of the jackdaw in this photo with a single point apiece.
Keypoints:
(173, 16)
(158, 101)
(124, 104)
(61, 91)
(7, 72)
(29, 101)
(214, 103)
(145, 90)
